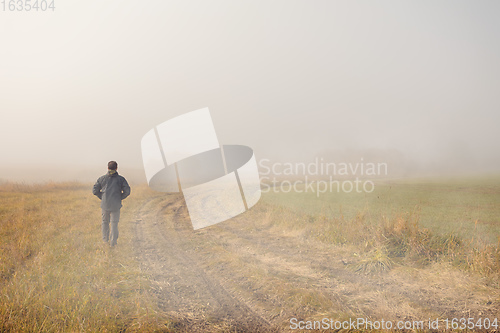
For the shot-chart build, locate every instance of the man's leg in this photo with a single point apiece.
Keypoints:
(105, 225)
(115, 218)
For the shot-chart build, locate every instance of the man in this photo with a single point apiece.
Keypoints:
(111, 189)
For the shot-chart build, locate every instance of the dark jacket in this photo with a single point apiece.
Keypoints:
(111, 189)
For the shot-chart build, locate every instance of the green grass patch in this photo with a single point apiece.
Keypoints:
(468, 208)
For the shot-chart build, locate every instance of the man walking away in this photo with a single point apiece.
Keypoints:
(111, 189)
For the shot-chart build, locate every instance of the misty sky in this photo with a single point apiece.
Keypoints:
(291, 79)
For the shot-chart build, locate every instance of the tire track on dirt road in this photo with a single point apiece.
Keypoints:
(192, 299)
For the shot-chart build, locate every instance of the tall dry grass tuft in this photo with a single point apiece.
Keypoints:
(375, 261)
(406, 238)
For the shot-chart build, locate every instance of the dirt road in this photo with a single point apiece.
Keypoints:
(164, 239)
(246, 276)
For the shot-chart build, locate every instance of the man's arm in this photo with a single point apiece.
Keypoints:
(125, 189)
(97, 189)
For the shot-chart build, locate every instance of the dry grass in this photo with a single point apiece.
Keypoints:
(382, 241)
(55, 275)
(404, 271)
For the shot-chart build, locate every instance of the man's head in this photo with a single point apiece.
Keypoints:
(112, 165)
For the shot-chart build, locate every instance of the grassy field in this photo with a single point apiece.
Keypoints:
(410, 250)
(464, 207)
(55, 274)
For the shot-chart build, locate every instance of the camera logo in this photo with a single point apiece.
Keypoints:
(183, 155)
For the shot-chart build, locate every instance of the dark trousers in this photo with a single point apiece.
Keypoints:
(107, 218)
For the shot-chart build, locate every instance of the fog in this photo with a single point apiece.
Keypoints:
(411, 84)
